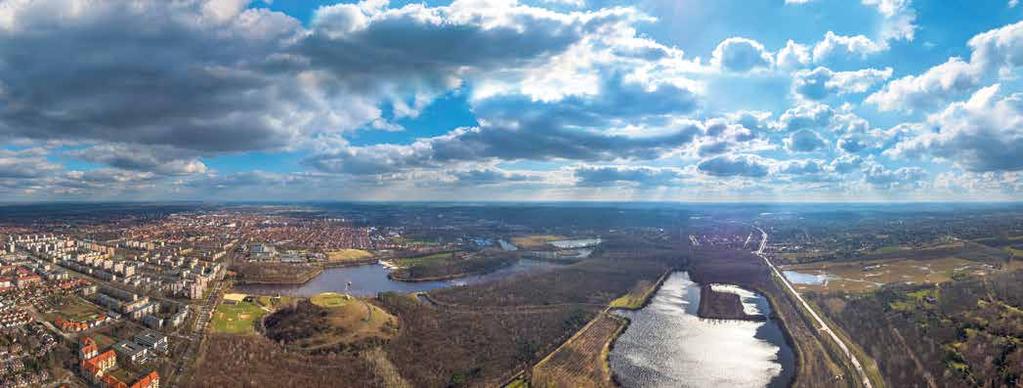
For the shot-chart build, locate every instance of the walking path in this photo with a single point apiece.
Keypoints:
(806, 306)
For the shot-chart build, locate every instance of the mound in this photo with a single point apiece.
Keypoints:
(331, 323)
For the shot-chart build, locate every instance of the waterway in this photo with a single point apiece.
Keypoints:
(371, 279)
(668, 345)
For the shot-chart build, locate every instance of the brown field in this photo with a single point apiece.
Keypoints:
(345, 255)
(254, 361)
(582, 360)
(864, 276)
(440, 346)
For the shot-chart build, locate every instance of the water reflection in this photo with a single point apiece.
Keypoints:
(668, 345)
(370, 279)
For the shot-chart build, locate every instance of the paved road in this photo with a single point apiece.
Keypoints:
(806, 306)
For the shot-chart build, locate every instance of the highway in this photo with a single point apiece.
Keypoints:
(806, 306)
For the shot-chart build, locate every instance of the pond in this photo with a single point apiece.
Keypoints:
(371, 279)
(579, 243)
(806, 278)
(668, 345)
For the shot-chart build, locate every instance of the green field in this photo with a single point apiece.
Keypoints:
(236, 318)
(420, 260)
(329, 299)
(74, 308)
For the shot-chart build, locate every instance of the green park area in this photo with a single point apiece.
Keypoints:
(236, 317)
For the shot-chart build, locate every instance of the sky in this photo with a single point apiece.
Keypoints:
(505, 100)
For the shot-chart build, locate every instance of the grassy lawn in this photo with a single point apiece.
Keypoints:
(349, 321)
(342, 255)
(329, 299)
(237, 318)
(636, 297)
(76, 309)
(411, 261)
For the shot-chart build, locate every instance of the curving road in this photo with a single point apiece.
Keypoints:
(806, 306)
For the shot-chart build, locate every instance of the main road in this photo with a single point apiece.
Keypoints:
(806, 306)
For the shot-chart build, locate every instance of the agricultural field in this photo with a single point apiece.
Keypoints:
(538, 241)
(237, 318)
(864, 276)
(582, 360)
(347, 255)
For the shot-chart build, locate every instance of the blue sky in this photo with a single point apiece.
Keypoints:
(659, 100)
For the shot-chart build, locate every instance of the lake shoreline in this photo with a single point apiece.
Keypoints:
(667, 341)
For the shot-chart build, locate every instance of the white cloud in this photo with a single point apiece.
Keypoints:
(856, 46)
(819, 83)
(741, 54)
(984, 133)
(793, 55)
(996, 51)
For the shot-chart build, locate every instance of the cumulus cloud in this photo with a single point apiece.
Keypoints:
(516, 128)
(806, 115)
(162, 160)
(854, 45)
(804, 140)
(793, 55)
(928, 89)
(821, 82)
(27, 163)
(633, 175)
(215, 77)
(490, 176)
(883, 177)
(984, 133)
(148, 73)
(995, 51)
(735, 165)
(740, 55)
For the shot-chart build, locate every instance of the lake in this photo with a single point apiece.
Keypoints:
(668, 345)
(371, 279)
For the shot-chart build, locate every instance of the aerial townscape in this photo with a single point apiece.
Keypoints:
(511, 193)
(514, 294)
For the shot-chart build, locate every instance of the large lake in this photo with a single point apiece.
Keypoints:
(371, 279)
(668, 345)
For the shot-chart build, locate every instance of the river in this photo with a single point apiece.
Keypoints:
(370, 279)
(668, 345)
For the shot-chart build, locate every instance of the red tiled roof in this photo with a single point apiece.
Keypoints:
(147, 380)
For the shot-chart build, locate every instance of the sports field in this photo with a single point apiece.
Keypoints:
(237, 318)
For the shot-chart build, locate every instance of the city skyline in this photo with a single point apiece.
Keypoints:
(547, 100)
